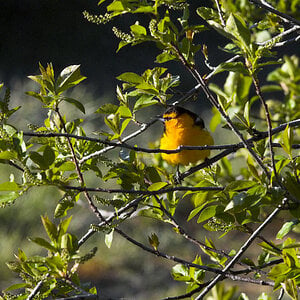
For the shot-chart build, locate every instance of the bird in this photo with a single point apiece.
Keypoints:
(183, 127)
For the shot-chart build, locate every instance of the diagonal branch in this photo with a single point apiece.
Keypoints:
(271, 9)
(242, 249)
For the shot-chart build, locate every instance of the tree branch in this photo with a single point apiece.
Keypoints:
(269, 8)
(242, 249)
(144, 192)
(234, 147)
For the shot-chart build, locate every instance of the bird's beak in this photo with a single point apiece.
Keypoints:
(161, 118)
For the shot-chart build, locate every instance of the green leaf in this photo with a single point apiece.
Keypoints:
(116, 6)
(39, 160)
(145, 9)
(21, 255)
(253, 169)
(109, 238)
(43, 243)
(157, 186)
(239, 185)
(148, 88)
(38, 96)
(287, 140)
(8, 198)
(64, 225)
(50, 229)
(180, 273)
(8, 155)
(237, 67)
(138, 29)
(290, 287)
(131, 77)
(9, 186)
(62, 208)
(153, 241)
(215, 120)
(69, 77)
(16, 287)
(124, 112)
(49, 155)
(207, 13)
(107, 109)
(236, 26)
(194, 212)
(67, 166)
(152, 174)
(209, 212)
(76, 103)
(144, 101)
(164, 57)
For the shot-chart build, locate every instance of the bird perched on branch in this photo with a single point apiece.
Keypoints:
(184, 128)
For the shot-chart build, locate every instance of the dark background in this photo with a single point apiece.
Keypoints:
(56, 31)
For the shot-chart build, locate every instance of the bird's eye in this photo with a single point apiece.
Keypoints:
(168, 118)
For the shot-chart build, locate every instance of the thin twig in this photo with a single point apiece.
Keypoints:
(112, 146)
(269, 8)
(279, 36)
(259, 136)
(200, 244)
(281, 294)
(91, 231)
(211, 74)
(269, 124)
(220, 13)
(37, 288)
(284, 43)
(83, 294)
(144, 192)
(174, 223)
(262, 238)
(242, 249)
(197, 266)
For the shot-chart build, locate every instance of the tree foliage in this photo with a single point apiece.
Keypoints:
(242, 187)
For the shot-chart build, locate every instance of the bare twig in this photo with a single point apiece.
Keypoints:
(79, 297)
(269, 8)
(37, 288)
(284, 43)
(200, 267)
(220, 13)
(211, 74)
(242, 249)
(144, 192)
(281, 35)
(269, 124)
(112, 146)
(174, 223)
(233, 147)
(281, 294)
(83, 294)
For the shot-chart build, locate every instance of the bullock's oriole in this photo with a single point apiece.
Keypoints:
(184, 128)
